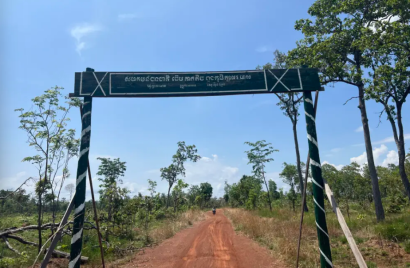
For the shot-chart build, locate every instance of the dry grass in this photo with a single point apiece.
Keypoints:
(280, 231)
(171, 226)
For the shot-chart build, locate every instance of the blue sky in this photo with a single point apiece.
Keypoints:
(45, 42)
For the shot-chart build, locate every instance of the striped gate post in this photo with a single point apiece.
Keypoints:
(318, 185)
(79, 198)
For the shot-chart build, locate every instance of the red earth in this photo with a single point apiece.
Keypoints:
(210, 243)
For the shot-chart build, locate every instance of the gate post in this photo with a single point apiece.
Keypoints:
(80, 192)
(318, 185)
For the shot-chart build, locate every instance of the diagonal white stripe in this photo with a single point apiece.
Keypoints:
(311, 117)
(309, 100)
(99, 84)
(327, 260)
(74, 262)
(76, 236)
(317, 204)
(312, 140)
(313, 162)
(85, 131)
(79, 209)
(83, 152)
(87, 113)
(279, 80)
(321, 229)
(81, 177)
(318, 185)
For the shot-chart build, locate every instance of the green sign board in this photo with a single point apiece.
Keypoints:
(162, 84)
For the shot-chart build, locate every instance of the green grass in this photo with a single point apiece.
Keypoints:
(137, 238)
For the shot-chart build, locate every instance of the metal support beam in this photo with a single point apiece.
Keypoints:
(318, 185)
(79, 199)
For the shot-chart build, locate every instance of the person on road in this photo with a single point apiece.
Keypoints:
(213, 210)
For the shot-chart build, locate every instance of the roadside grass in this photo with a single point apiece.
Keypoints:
(383, 245)
(121, 248)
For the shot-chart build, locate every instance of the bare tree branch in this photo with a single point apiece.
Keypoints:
(10, 247)
(350, 100)
(5, 197)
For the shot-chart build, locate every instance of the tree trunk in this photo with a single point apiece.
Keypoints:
(40, 241)
(295, 136)
(401, 151)
(267, 189)
(369, 150)
(169, 189)
(347, 209)
(108, 219)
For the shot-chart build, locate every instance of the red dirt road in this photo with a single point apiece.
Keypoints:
(210, 243)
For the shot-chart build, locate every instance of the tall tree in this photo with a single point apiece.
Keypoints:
(289, 103)
(70, 188)
(170, 173)
(258, 156)
(178, 193)
(332, 44)
(388, 47)
(206, 191)
(110, 193)
(289, 175)
(273, 189)
(45, 125)
(193, 192)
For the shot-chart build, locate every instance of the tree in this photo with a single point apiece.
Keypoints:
(391, 187)
(110, 193)
(170, 173)
(332, 44)
(45, 125)
(290, 177)
(289, 103)
(177, 192)
(258, 157)
(193, 192)
(273, 190)
(70, 188)
(388, 47)
(206, 191)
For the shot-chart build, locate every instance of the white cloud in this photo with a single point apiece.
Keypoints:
(391, 139)
(391, 158)
(12, 183)
(263, 49)
(377, 153)
(213, 171)
(82, 31)
(359, 129)
(361, 159)
(127, 17)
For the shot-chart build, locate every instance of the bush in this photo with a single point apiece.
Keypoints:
(407, 246)
(159, 214)
(399, 230)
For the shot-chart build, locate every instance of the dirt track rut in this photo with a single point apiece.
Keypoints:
(210, 243)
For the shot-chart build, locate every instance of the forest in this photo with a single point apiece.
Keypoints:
(359, 43)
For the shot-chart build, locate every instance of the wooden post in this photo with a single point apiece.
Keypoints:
(57, 235)
(345, 228)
